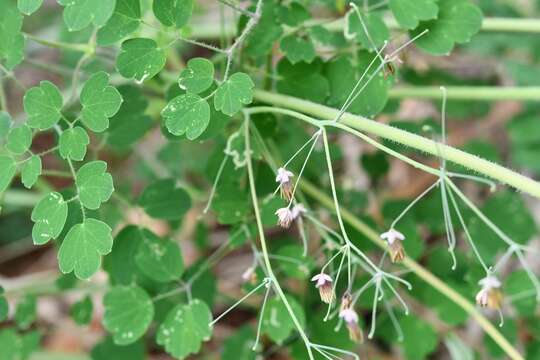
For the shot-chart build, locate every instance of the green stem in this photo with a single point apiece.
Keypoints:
(264, 247)
(512, 25)
(419, 270)
(403, 137)
(468, 93)
(84, 48)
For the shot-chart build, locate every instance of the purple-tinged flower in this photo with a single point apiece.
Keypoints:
(490, 295)
(324, 284)
(284, 178)
(350, 317)
(285, 217)
(298, 210)
(393, 239)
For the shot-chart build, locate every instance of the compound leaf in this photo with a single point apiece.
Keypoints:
(128, 313)
(95, 185)
(28, 7)
(43, 104)
(185, 328)
(159, 259)
(78, 14)
(49, 216)
(11, 39)
(297, 49)
(173, 12)
(124, 21)
(73, 143)
(30, 171)
(140, 59)
(234, 93)
(83, 246)
(8, 168)
(164, 200)
(187, 114)
(99, 102)
(19, 139)
(408, 13)
(457, 22)
(198, 76)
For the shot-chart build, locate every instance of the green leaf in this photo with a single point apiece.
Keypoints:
(293, 262)
(81, 311)
(78, 14)
(73, 143)
(125, 20)
(516, 285)
(260, 40)
(457, 22)
(408, 13)
(4, 306)
(49, 216)
(30, 171)
(187, 114)
(25, 313)
(19, 139)
(302, 80)
(198, 76)
(8, 169)
(164, 200)
(376, 28)
(140, 59)
(11, 39)
(159, 259)
(120, 263)
(173, 12)
(5, 124)
(239, 346)
(297, 49)
(185, 328)
(107, 350)
(293, 15)
(43, 104)
(234, 93)
(99, 102)
(95, 185)
(27, 7)
(420, 339)
(128, 313)
(276, 321)
(83, 246)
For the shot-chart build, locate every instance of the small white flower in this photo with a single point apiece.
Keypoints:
(323, 282)
(285, 217)
(392, 235)
(349, 316)
(298, 210)
(397, 252)
(490, 295)
(283, 176)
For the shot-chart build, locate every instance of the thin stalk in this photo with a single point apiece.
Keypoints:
(264, 247)
(468, 93)
(403, 137)
(420, 271)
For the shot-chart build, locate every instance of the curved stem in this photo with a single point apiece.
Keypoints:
(264, 248)
(420, 271)
(403, 137)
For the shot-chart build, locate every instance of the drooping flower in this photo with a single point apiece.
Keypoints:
(250, 275)
(285, 217)
(284, 178)
(490, 295)
(324, 284)
(298, 210)
(350, 317)
(393, 239)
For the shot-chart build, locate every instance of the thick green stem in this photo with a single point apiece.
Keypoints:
(419, 270)
(406, 138)
(210, 30)
(468, 93)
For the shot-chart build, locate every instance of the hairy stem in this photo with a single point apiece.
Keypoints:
(406, 138)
